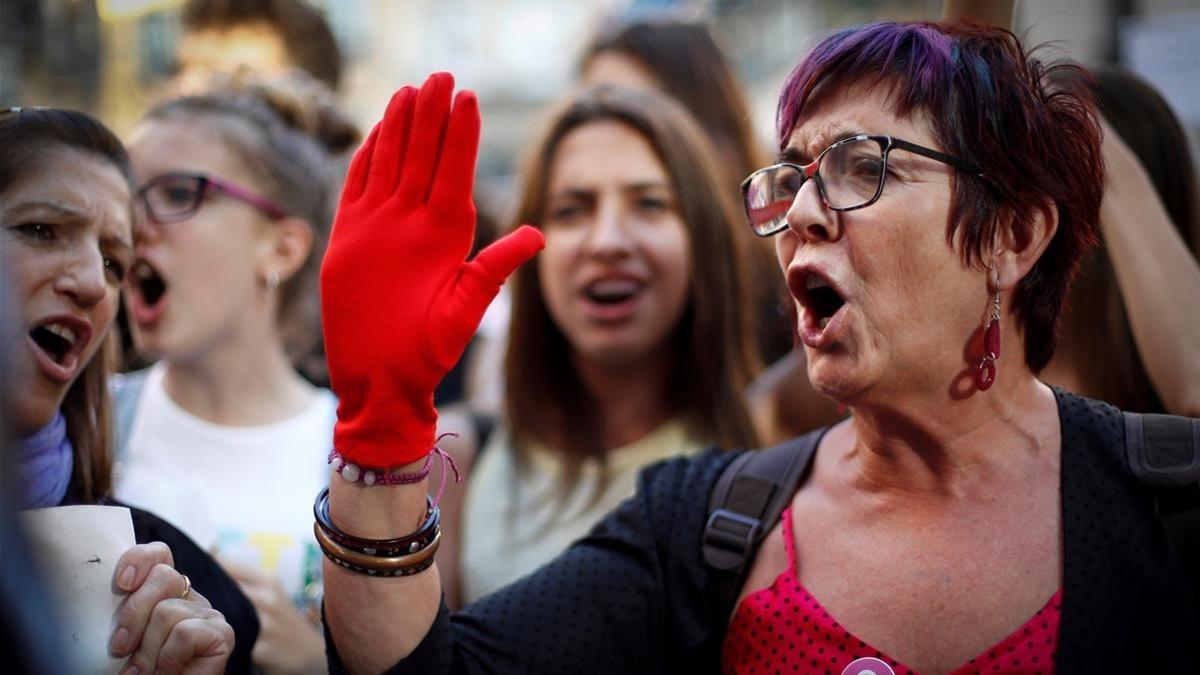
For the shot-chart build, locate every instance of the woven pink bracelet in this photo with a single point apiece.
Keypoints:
(354, 473)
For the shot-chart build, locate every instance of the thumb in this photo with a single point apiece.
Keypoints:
(506, 254)
(477, 285)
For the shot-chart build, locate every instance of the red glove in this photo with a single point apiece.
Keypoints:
(399, 303)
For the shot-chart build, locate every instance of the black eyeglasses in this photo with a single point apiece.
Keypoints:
(850, 174)
(172, 197)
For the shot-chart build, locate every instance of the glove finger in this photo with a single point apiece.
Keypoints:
(454, 181)
(506, 254)
(429, 125)
(387, 158)
(356, 177)
(458, 317)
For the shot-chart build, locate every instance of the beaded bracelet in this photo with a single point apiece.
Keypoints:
(409, 543)
(392, 566)
(400, 556)
(353, 472)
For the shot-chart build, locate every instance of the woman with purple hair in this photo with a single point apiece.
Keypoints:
(966, 517)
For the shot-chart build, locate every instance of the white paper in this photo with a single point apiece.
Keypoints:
(76, 549)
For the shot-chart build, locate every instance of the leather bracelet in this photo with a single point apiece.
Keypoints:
(409, 543)
(398, 566)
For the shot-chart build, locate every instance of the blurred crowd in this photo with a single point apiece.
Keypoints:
(163, 342)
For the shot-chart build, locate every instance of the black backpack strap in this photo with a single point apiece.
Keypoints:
(748, 499)
(1163, 452)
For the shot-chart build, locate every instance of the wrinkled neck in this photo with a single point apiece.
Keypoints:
(951, 447)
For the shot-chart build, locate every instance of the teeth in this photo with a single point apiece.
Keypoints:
(614, 287)
(143, 271)
(62, 332)
(823, 322)
(814, 281)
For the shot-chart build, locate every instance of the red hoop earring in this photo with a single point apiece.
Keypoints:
(985, 375)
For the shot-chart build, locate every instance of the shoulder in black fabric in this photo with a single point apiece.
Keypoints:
(634, 597)
(628, 598)
(1127, 606)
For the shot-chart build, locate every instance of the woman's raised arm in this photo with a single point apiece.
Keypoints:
(1157, 275)
(399, 305)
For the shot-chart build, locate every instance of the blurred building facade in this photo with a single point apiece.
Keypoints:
(115, 57)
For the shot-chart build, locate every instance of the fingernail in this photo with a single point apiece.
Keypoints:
(130, 669)
(125, 581)
(119, 641)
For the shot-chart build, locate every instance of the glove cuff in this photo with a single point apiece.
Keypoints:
(386, 442)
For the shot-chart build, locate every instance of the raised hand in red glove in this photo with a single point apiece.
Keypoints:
(399, 301)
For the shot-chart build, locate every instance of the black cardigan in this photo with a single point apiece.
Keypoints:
(634, 597)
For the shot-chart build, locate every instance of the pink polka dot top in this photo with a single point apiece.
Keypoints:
(784, 629)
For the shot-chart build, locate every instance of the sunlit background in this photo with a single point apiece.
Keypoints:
(113, 57)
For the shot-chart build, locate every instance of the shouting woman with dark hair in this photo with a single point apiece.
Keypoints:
(629, 341)
(933, 196)
(682, 60)
(66, 208)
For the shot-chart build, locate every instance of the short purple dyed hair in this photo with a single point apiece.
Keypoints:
(989, 101)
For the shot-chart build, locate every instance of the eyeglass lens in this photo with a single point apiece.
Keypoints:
(173, 197)
(849, 175)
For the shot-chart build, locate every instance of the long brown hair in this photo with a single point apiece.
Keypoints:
(689, 65)
(1096, 328)
(545, 399)
(24, 135)
(87, 409)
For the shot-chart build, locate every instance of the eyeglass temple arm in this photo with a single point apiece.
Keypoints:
(264, 204)
(953, 161)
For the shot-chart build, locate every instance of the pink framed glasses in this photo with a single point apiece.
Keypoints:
(172, 197)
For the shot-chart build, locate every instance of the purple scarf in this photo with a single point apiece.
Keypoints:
(45, 464)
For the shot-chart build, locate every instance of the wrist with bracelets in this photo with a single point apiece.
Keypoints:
(399, 556)
(374, 565)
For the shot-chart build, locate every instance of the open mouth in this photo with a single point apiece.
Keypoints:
(149, 283)
(612, 291)
(56, 340)
(58, 344)
(148, 293)
(821, 298)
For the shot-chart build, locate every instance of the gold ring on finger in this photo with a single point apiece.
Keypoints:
(187, 587)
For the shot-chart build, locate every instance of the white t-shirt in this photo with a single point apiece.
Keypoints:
(514, 521)
(244, 492)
